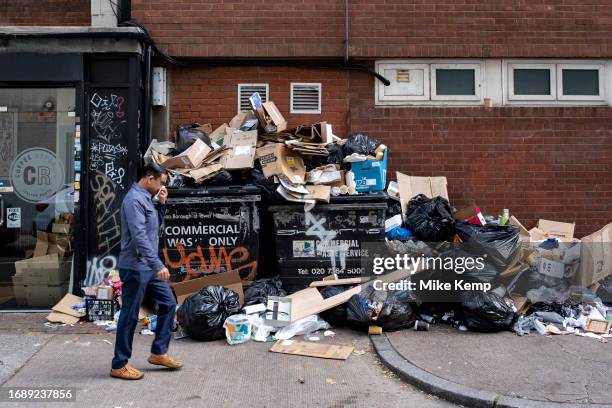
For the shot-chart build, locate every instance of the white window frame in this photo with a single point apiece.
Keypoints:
(382, 99)
(240, 86)
(306, 111)
(601, 97)
(510, 81)
(427, 99)
(478, 80)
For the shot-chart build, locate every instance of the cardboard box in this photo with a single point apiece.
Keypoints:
(45, 295)
(42, 244)
(371, 175)
(230, 280)
(55, 317)
(524, 233)
(318, 193)
(37, 295)
(65, 305)
(410, 186)
(242, 153)
(321, 132)
(557, 229)
(190, 158)
(552, 268)
(311, 349)
(471, 214)
(277, 159)
(275, 116)
(61, 228)
(21, 295)
(42, 270)
(239, 119)
(58, 244)
(104, 292)
(205, 128)
(206, 172)
(309, 301)
(595, 257)
(278, 311)
(552, 229)
(329, 175)
(218, 135)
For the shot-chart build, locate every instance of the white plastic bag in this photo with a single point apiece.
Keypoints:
(304, 326)
(260, 330)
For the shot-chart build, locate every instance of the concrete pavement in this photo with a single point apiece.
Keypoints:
(552, 369)
(215, 374)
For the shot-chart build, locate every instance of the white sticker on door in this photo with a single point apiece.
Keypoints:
(13, 217)
(303, 249)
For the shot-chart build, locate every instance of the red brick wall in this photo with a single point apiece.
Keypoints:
(552, 163)
(45, 12)
(242, 28)
(211, 94)
(380, 28)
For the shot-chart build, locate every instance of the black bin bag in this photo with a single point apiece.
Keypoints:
(186, 135)
(499, 243)
(430, 219)
(260, 289)
(486, 312)
(335, 316)
(391, 310)
(361, 143)
(604, 292)
(202, 314)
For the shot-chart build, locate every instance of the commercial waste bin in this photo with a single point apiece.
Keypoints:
(211, 230)
(329, 239)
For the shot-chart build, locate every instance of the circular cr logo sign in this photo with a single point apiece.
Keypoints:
(36, 175)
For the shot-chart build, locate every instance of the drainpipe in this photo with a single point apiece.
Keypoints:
(147, 100)
(346, 32)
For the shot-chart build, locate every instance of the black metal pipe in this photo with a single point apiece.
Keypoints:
(96, 34)
(147, 40)
(147, 99)
(346, 32)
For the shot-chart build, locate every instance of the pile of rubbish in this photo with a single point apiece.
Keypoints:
(543, 279)
(306, 164)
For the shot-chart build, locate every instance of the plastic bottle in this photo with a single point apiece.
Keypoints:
(505, 216)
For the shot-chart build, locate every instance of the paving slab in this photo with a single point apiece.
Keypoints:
(217, 374)
(563, 369)
(17, 349)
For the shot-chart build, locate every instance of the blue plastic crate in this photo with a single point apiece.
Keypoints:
(371, 175)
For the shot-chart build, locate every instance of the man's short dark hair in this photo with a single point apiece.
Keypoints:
(154, 170)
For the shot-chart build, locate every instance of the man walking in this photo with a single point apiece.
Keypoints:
(142, 271)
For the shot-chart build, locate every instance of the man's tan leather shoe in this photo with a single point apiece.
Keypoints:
(165, 360)
(126, 373)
